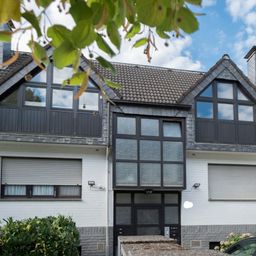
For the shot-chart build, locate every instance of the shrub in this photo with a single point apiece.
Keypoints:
(53, 236)
(232, 238)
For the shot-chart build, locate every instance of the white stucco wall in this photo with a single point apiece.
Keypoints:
(90, 211)
(205, 212)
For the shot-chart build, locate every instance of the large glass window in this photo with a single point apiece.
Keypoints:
(225, 111)
(62, 99)
(59, 75)
(144, 148)
(225, 90)
(227, 104)
(245, 113)
(204, 109)
(40, 77)
(35, 97)
(89, 101)
(126, 125)
(149, 127)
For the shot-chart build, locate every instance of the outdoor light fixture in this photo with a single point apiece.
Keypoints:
(196, 185)
(91, 183)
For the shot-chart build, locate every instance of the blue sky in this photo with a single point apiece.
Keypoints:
(228, 26)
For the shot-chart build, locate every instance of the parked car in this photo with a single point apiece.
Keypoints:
(245, 247)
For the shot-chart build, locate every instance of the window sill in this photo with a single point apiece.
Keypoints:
(11, 199)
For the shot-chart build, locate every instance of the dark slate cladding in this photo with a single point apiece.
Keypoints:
(8, 72)
(149, 84)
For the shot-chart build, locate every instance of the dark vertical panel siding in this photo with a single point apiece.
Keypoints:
(226, 132)
(8, 119)
(34, 120)
(205, 131)
(89, 124)
(62, 122)
(246, 133)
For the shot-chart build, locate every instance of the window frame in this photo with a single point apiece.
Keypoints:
(29, 192)
(235, 102)
(138, 137)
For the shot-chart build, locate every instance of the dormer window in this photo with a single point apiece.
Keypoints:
(224, 114)
(224, 101)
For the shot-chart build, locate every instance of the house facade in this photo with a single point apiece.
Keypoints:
(128, 166)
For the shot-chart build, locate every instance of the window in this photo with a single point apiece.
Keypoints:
(40, 77)
(89, 101)
(35, 97)
(232, 182)
(225, 111)
(172, 129)
(148, 152)
(126, 125)
(149, 127)
(230, 103)
(62, 99)
(59, 75)
(44, 178)
(204, 109)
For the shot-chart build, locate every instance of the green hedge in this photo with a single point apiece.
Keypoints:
(39, 236)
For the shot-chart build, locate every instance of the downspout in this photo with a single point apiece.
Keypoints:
(107, 182)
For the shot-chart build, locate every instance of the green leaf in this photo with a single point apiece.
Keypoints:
(162, 34)
(43, 3)
(9, 10)
(113, 34)
(65, 55)
(76, 79)
(39, 53)
(151, 12)
(105, 64)
(102, 44)
(33, 20)
(187, 21)
(140, 42)
(5, 36)
(112, 84)
(134, 30)
(58, 34)
(83, 34)
(194, 2)
(80, 11)
(130, 10)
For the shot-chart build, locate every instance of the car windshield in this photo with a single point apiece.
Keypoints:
(245, 248)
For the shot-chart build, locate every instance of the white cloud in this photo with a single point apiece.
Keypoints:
(207, 3)
(244, 11)
(173, 56)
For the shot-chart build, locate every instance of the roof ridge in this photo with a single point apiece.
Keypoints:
(157, 67)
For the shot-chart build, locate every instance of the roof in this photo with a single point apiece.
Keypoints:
(149, 84)
(251, 51)
(12, 69)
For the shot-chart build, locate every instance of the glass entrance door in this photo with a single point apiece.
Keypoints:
(148, 220)
(138, 213)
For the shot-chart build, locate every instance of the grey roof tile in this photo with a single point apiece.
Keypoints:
(150, 84)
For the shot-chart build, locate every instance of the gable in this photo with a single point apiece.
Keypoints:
(25, 66)
(224, 69)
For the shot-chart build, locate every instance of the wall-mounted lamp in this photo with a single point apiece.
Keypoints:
(196, 185)
(92, 184)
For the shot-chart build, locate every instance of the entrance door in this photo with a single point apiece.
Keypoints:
(148, 220)
(138, 213)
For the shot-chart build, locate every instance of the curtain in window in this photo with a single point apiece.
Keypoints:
(14, 190)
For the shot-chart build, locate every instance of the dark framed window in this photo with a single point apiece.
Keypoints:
(224, 101)
(41, 191)
(35, 96)
(225, 114)
(62, 98)
(148, 152)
